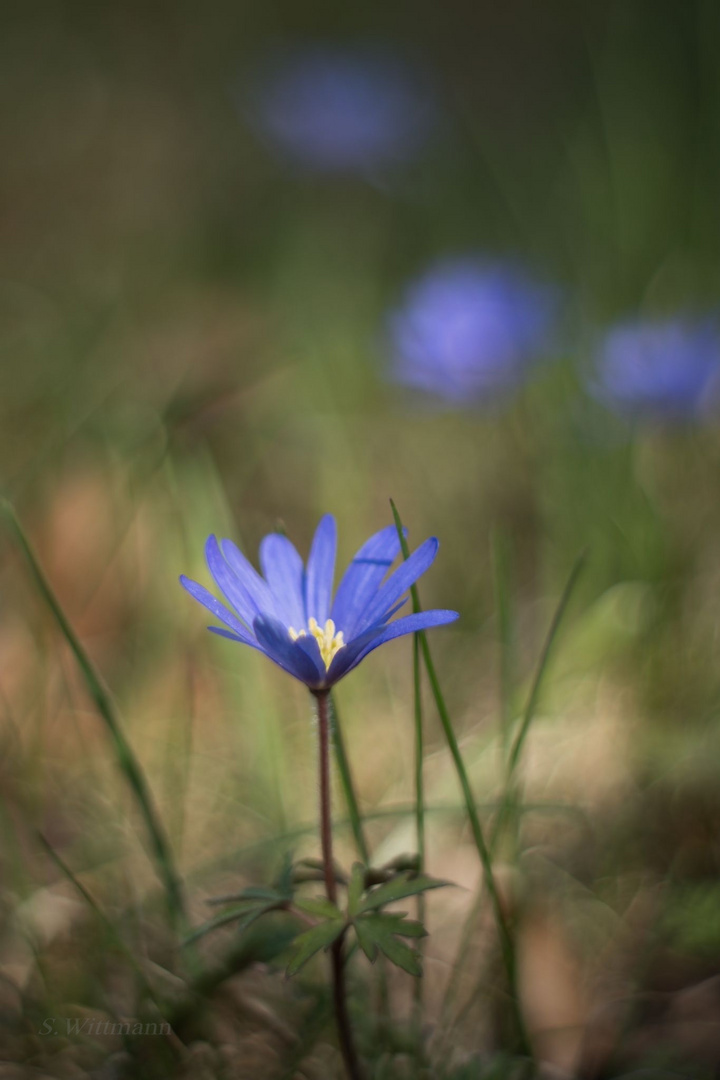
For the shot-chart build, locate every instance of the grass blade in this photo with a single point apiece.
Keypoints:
(243, 915)
(508, 803)
(534, 697)
(102, 918)
(502, 573)
(509, 800)
(419, 752)
(506, 941)
(356, 825)
(348, 784)
(126, 759)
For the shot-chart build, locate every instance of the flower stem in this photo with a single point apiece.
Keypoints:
(347, 1044)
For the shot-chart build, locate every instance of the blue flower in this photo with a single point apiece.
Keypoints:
(668, 369)
(342, 110)
(289, 613)
(470, 329)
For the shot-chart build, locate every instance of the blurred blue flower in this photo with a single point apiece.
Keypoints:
(289, 613)
(342, 109)
(470, 329)
(668, 369)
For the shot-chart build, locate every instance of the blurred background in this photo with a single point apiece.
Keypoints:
(259, 262)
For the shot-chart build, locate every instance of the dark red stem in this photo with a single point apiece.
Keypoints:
(325, 798)
(347, 1044)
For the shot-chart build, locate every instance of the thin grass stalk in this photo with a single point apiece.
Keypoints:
(348, 784)
(506, 807)
(102, 918)
(419, 755)
(501, 559)
(230, 860)
(506, 681)
(509, 804)
(356, 825)
(507, 945)
(127, 762)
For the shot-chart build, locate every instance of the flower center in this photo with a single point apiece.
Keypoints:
(329, 641)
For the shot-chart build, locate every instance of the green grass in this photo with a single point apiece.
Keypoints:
(191, 340)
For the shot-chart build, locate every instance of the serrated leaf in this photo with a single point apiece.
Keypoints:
(312, 941)
(401, 955)
(366, 939)
(319, 906)
(397, 889)
(380, 932)
(356, 887)
(398, 924)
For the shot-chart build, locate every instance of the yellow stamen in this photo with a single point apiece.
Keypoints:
(328, 639)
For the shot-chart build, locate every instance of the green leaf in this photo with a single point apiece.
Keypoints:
(366, 938)
(312, 941)
(401, 955)
(260, 892)
(381, 932)
(356, 888)
(397, 889)
(320, 906)
(284, 883)
(252, 894)
(400, 925)
(244, 914)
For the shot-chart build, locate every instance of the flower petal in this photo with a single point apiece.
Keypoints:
(235, 637)
(362, 578)
(229, 582)
(311, 646)
(393, 611)
(397, 584)
(257, 589)
(357, 650)
(283, 571)
(201, 594)
(320, 571)
(275, 642)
